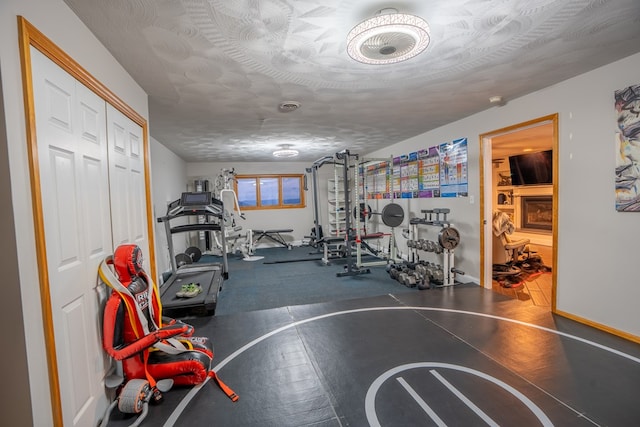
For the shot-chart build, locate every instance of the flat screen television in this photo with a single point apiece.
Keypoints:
(532, 168)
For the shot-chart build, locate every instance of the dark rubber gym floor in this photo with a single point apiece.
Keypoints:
(458, 356)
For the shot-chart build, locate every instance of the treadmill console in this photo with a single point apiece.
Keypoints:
(203, 198)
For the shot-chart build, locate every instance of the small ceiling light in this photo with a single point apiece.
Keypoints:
(497, 100)
(288, 106)
(285, 151)
(388, 37)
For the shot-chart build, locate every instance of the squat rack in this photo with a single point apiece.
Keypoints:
(392, 215)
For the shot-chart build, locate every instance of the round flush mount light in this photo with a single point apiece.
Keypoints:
(388, 37)
(285, 151)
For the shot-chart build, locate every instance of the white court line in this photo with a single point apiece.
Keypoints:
(424, 405)
(370, 398)
(185, 401)
(486, 418)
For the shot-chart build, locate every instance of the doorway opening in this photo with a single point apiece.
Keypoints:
(519, 173)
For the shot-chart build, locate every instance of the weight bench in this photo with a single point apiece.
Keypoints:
(273, 235)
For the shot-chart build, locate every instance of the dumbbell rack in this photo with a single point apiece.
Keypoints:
(448, 240)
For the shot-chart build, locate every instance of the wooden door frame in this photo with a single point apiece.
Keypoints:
(486, 185)
(31, 36)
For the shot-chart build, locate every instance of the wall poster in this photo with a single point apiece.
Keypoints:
(439, 171)
(430, 172)
(627, 106)
(453, 169)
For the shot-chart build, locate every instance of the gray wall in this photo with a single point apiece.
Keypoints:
(168, 181)
(300, 220)
(598, 268)
(15, 401)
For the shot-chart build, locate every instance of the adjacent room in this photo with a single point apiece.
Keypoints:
(320, 213)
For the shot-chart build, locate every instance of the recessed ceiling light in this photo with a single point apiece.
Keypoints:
(388, 37)
(497, 100)
(288, 106)
(285, 151)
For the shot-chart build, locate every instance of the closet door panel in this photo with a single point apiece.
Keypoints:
(73, 180)
(127, 184)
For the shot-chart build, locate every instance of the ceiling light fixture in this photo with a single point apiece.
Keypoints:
(285, 151)
(497, 100)
(388, 37)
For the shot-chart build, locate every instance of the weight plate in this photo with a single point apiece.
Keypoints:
(183, 259)
(194, 253)
(449, 238)
(392, 215)
(365, 212)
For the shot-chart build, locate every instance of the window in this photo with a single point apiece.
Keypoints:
(270, 191)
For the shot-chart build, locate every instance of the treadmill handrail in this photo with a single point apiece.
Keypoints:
(195, 227)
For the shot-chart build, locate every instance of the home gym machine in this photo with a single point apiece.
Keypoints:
(235, 240)
(208, 275)
(315, 239)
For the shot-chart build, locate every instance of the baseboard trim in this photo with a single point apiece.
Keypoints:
(605, 328)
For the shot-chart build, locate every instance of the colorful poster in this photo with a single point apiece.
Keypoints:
(627, 106)
(396, 177)
(429, 184)
(453, 169)
(377, 180)
(439, 171)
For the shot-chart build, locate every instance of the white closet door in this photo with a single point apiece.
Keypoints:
(127, 184)
(72, 155)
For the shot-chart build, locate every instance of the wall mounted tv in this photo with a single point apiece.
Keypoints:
(532, 168)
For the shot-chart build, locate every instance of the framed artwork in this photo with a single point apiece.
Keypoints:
(627, 108)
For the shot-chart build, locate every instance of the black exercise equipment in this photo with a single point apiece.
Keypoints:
(273, 235)
(184, 268)
(392, 215)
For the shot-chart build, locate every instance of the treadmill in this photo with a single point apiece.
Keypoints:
(209, 275)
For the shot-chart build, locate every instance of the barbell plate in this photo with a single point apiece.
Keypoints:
(183, 259)
(194, 253)
(449, 238)
(392, 215)
(365, 212)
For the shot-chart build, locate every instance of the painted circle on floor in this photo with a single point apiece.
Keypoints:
(372, 392)
(183, 404)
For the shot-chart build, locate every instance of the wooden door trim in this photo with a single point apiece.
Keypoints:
(553, 120)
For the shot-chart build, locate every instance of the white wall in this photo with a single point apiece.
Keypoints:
(300, 220)
(168, 181)
(57, 22)
(598, 266)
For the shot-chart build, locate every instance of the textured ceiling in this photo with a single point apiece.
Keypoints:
(216, 71)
